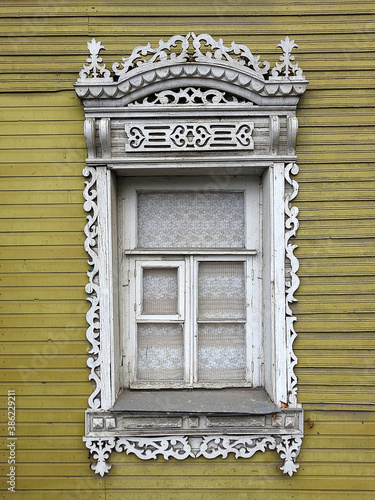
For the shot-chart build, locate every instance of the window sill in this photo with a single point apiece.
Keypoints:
(224, 401)
(195, 412)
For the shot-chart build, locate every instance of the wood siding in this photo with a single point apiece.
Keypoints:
(43, 264)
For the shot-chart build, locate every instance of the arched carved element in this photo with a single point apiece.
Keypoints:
(192, 61)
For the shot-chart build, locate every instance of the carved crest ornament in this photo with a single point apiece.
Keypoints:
(190, 104)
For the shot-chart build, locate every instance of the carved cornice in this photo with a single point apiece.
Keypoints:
(188, 60)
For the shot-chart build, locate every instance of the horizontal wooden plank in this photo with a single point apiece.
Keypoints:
(43, 238)
(334, 248)
(333, 376)
(47, 279)
(65, 9)
(252, 467)
(314, 22)
(68, 99)
(42, 197)
(43, 307)
(40, 374)
(47, 356)
(44, 155)
(21, 335)
(44, 320)
(341, 268)
(332, 359)
(39, 82)
(44, 212)
(50, 225)
(41, 114)
(319, 324)
(338, 286)
(41, 170)
(42, 64)
(74, 394)
(43, 293)
(337, 341)
(47, 252)
(30, 141)
(174, 493)
(202, 482)
(41, 130)
(16, 351)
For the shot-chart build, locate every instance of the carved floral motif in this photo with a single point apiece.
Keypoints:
(287, 69)
(181, 447)
(100, 449)
(94, 70)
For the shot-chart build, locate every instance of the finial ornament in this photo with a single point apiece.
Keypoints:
(287, 69)
(94, 71)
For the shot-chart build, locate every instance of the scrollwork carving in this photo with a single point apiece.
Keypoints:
(100, 449)
(289, 449)
(149, 448)
(92, 287)
(181, 447)
(162, 53)
(190, 136)
(241, 446)
(192, 57)
(237, 54)
(291, 225)
(189, 95)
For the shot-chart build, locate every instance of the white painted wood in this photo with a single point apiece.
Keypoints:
(155, 88)
(106, 252)
(182, 447)
(278, 280)
(105, 137)
(89, 133)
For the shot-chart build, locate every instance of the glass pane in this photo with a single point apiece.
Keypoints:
(160, 352)
(221, 290)
(191, 220)
(221, 352)
(160, 291)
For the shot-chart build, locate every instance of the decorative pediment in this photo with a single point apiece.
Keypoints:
(191, 61)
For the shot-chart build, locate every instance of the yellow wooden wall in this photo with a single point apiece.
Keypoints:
(43, 264)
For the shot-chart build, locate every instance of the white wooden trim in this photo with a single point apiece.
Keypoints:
(264, 100)
(107, 252)
(278, 279)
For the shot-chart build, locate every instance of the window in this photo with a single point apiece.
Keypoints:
(190, 158)
(192, 255)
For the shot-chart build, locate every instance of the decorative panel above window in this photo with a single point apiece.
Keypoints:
(191, 153)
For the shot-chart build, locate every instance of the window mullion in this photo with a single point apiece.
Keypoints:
(194, 316)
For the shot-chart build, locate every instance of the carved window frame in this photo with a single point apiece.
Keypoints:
(193, 83)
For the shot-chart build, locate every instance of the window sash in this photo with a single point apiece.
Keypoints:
(187, 317)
